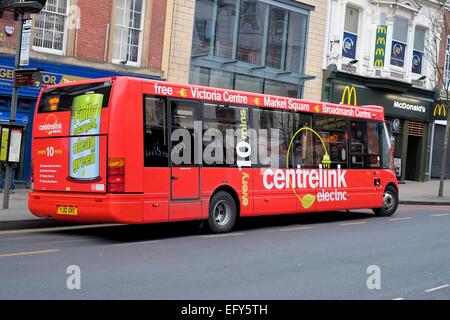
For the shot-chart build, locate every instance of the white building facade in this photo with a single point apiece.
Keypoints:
(382, 49)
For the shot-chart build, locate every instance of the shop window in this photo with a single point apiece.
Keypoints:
(334, 136)
(277, 88)
(350, 37)
(128, 30)
(50, 27)
(419, 47)
(199, 76)
(248, 83)
(399, 41)
(221, 79)
(155, 132)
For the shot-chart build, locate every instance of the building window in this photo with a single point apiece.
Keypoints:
(399, 41)
(128, 32)
(233, 34)
(419, 47)
(350, 38)
(251, 31)
(201, 39)
(447, 66)
(50, 27)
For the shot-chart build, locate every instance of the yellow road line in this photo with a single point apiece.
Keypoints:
(295, 229)
(38, 230)
(223, 235)
(27, 253)
(353, 223)
(440, 215)
(399, 219)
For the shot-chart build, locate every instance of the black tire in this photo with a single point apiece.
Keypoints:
(390, 203)
(222, 212)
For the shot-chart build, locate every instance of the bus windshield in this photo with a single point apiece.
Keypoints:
(61, 99)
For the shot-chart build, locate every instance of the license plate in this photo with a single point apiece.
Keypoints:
(67, 210)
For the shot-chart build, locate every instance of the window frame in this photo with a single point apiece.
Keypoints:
(360, 11)
(65, 32)
(405, 59)
(447, 64)
(141, 35)
(422, 62)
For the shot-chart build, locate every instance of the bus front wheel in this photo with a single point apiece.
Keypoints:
(390, 203)
(222, 212)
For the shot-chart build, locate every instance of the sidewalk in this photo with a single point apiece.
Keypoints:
(411, 192)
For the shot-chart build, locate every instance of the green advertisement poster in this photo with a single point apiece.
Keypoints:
(380, 46)
(84, 142)
(4, 144)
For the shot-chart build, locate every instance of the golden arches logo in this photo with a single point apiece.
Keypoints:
(379, 63)
(439, 109)
(379, 52)
(349, 92)
(382, 29)
(308, 199)
(381, 40)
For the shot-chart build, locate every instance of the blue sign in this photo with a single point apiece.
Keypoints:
(398, 54)
(21, 118)
(417, 62)
(349, 45)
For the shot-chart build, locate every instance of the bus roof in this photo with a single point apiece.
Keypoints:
(218, 95)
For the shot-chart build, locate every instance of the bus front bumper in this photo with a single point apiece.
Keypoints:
(87, 207)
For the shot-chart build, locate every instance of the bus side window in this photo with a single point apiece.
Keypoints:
(332, 132)
(155, 132)
(358, 145)
(373, 145)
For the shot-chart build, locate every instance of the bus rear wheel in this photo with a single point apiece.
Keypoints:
(390, 203)
(222, 212)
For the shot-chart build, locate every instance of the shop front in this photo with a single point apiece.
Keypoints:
(53, 73)
(407, 111)
(438, 119)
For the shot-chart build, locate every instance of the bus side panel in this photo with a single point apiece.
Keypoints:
(126, 138)
(275, 201)
(358, 192)
(240, 181)
(156, 194)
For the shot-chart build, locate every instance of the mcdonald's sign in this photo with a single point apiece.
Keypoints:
(440, 110)
(380, 46)
(349, 93)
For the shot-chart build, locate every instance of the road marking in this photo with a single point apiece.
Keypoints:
(400, 219)
(295, 229)
(437, 288)
(137, 242)
(38, 230)
(223, 235)
(353, 223)
(440, 215)
(400, 298)
(27, 253)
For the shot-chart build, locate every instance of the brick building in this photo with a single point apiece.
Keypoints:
(76, 39)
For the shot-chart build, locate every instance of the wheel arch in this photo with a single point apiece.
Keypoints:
(232, 192)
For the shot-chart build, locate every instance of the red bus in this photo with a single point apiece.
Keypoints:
(137, 151)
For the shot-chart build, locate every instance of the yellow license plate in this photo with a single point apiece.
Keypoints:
(67, 210)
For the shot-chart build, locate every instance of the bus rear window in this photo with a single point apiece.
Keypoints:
(61, 99)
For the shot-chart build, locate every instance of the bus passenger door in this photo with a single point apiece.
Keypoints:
(184, 171)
